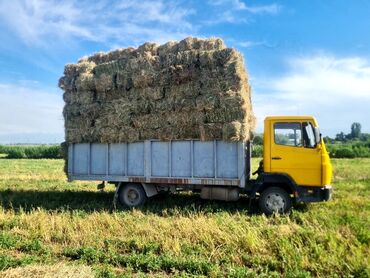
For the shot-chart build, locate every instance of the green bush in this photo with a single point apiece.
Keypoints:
(43, 152)
(361, 151)
(258, 140)
(16, 153)
(4, 149)
(349, 150)
(34, 152)
(344, 153)
(257, 150)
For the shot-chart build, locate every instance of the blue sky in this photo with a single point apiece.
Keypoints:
(303, 57)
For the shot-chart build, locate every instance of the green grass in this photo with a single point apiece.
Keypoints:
(44, 219)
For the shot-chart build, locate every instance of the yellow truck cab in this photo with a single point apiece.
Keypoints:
(296, 165)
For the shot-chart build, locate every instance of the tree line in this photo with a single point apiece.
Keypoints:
(354, 135)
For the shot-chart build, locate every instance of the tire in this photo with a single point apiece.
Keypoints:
(274, 200)
(132, 195)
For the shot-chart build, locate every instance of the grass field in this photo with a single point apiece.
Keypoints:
(49, 224)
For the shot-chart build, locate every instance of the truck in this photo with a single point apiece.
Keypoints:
(295, 167)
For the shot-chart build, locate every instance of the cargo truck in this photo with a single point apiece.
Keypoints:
(295, 168)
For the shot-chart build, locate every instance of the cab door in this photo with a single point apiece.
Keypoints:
(294, 152)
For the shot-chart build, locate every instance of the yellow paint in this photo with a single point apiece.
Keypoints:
(327, 170)
(306, 166)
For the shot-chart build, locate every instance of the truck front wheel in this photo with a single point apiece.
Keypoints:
(131, 195)
(274, 199)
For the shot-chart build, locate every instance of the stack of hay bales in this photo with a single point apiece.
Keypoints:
(192, 89)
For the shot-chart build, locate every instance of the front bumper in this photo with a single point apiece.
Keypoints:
(314, 194)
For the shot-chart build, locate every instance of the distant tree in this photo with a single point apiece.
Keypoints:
(348, 137)
(340, 137)
(258, 140)
(327, 139)
(355, 130)
(365, 137)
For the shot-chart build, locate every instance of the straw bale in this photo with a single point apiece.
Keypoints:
(192, 89)
(103, 83)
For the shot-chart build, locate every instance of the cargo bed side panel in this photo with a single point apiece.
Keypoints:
(165, 162)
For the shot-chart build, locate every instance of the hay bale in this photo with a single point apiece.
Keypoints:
(192, 89)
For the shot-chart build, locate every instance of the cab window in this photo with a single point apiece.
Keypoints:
(288, 134)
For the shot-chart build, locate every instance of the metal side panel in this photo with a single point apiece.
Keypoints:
(117, 159)
(98, 159)
(160, 163)
(227, 160)
(181, 159)
(135, 159)
(154, 161)
(203, 158)
(81, 159)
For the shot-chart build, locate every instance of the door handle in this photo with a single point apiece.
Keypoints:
(276, 158)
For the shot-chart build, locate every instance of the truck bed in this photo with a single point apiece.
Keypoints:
(161, 162)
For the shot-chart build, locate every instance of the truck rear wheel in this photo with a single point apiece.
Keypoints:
(274, 200)
(132, 195)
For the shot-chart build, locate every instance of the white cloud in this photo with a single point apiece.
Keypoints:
(335, 90)
(250, 44)
(26, 108)
(227, 16)
(238, 5)
(234, 4)
(41, 22)
(247, 44)
(237, 11)
(264, 9)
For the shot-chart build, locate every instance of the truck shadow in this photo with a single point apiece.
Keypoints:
(28, 200)
(92, 201)
(95, 201)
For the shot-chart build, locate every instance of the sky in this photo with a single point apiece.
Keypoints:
(302, 57)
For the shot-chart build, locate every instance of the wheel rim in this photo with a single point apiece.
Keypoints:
(275, 202)
(132, 197)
